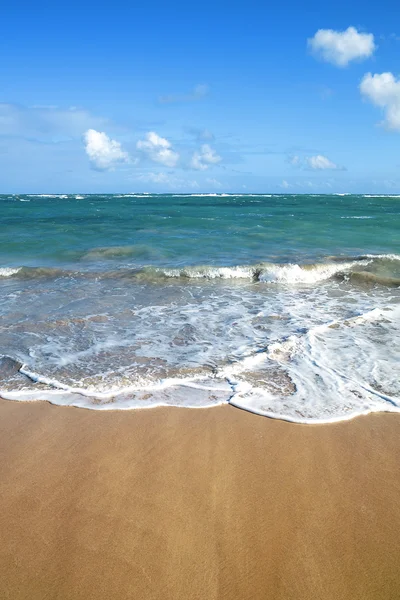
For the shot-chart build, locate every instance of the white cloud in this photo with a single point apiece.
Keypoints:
(158, 149)
(319, 162)
(285, 184)
(103, 152)
(295, 160)
(205, 135)
(199, 91)
(167, 179)
(383, 90)
(205, 158)
(341, 47)
(214, 182)
(389, 183)
(156, 177)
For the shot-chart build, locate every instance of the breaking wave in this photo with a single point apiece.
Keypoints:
(9, 271)
(383, 269)
(264, 272)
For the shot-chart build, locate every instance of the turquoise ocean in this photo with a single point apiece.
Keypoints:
(284, 305)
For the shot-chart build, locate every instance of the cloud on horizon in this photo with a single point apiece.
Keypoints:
(317, 162)
(169, 179)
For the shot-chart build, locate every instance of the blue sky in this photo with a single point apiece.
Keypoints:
(206, 97)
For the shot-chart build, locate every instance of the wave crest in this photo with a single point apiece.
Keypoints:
(381, 269)
(8, 271)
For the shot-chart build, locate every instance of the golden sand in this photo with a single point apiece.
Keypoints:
(183, 504)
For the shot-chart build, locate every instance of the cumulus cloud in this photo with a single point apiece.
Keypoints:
(320, 162)
(214, 182)
(198, 92)
(341, 47)
(155, 177)
(383, 90)
(103, 152)
(158, 149)
(285, 184)
(205, 158)
(168, 179)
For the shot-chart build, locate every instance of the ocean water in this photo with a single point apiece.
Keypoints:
(284, 305)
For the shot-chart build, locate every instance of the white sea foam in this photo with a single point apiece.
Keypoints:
(188, 392)
(239, 272)
(62, 196)
(213, 195)
(338, 371)
(335, 371)
(382, 256)
(8, 271)
(381, 196)
(359, 217)
(294, 273)
(225, 195)
(317, 354)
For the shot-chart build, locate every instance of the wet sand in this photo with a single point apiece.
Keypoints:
(180, 504)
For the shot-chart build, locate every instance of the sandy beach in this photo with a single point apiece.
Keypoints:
(196, 504)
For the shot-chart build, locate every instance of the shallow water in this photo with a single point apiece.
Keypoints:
(288, 306)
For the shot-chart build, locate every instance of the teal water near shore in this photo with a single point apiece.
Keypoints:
(287, 305)
(174, 230)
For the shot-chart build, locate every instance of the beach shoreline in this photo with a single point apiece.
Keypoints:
(174, 503)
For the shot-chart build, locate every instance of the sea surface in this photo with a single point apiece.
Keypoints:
(284, 305)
